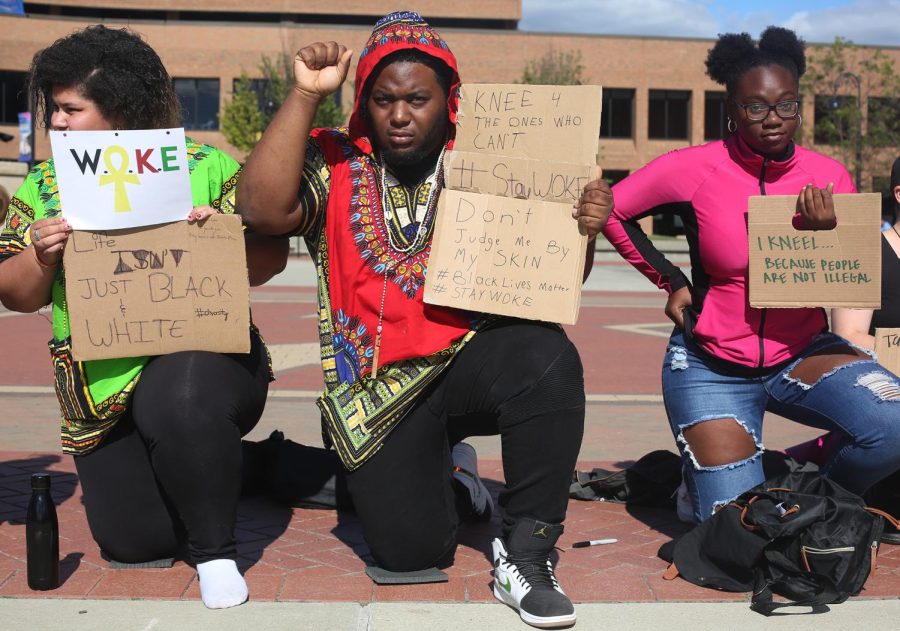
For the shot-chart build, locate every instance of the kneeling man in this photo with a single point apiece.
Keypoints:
(407, 381)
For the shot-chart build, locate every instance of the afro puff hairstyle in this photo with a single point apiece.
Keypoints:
(115, 69)
(734, 54)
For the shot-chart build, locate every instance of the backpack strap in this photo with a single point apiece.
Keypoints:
(762, 602)
(888, 517)
(744, 509)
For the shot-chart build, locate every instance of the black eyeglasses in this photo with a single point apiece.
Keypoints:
(760, 111)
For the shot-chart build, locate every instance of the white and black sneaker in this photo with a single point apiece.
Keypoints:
(524, 578)
(465, 471)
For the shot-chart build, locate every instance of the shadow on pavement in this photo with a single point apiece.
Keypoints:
(15, 475)
(260, 523)
(349, 532)
(68, 565)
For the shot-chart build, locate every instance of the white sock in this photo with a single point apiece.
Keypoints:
(221, 585)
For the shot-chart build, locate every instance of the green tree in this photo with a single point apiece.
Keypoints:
(555, 67)
(241, 118)
(860, 127)
(329, 114)
(250, 110)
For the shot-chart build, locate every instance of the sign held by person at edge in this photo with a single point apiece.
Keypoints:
(790, 267)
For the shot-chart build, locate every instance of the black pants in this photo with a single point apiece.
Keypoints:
(521, 380)
(170, 470)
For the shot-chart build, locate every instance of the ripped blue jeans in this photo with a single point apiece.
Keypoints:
(860, 399)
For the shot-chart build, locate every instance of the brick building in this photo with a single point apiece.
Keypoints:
(656, 95)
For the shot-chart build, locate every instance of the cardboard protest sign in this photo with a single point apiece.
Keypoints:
(824, 268)
(516, 177)
(508, 256)
(545, 122)
(157, 290)
(121, 179)
(887, 347)
(504, 239)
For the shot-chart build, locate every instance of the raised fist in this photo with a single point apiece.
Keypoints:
(321, 68)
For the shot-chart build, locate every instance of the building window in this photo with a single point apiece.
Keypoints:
(259, 87)
(199, 103)
(13, 98)
(266, 98)
(715, 118)
(883, 125)
(614, 176)
(669, 111)
(617, 115)
(834, 119)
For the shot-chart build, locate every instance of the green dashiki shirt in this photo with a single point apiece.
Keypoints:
(93, 395)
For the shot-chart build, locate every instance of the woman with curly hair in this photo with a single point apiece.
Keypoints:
(727, 363)
(156, 440)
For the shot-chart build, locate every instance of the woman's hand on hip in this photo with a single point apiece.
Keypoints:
(678, 301)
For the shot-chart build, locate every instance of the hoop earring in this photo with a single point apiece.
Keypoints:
(732, 126)
(799, 121)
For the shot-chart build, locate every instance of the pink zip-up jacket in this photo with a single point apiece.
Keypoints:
(708, 187)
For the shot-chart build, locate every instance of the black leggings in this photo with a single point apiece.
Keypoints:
(522, 380)
(170, 470)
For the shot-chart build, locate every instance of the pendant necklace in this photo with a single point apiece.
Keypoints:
(414, 245)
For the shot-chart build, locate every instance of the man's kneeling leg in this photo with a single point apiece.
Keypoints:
(404, 496)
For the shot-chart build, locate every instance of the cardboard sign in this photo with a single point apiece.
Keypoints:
(887, 347)
(504, 239)
(508, 256)
(544, 122)
(515, 177)
(151, 291)
(823, 268)
(121, 179)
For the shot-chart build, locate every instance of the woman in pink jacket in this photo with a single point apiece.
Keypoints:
(727, 362)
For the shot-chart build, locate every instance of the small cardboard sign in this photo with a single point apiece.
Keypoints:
(121, 179)
(522, 258)
(543, 122)
(823, 268)
(515, 177)
(887, 347)
(157, 290)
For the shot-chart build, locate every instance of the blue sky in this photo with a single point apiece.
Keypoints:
(863, 21)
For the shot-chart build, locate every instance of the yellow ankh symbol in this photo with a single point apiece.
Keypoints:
(118, 177)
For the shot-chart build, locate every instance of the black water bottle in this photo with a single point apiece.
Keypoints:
(42, 535)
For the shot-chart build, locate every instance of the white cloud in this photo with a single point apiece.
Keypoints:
(863, 21)
(684, 18)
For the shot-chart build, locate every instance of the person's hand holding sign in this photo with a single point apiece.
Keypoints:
(199, 214)
(48, 238)
(815, 208)
(321, 68)
(593, 207)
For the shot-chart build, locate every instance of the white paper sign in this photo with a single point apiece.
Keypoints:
(121, 179)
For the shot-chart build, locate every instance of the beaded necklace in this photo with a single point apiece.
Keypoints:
(414, 245)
